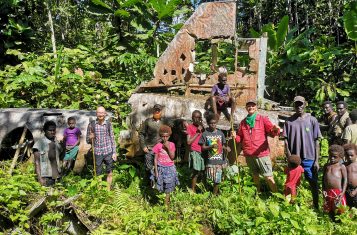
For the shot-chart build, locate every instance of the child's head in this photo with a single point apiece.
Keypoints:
(222, 76)
(165, 132)
(294, 161)
(196, 117)
(350, 152)
(336, 153)
(71, 121)
(211, 121)
(50, 129)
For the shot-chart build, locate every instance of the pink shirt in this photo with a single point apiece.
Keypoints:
(191, 131)
(163, 157)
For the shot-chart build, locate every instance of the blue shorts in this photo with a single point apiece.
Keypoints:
(309, 171)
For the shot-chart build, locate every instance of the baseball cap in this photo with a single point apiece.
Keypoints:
(299, 99)
(157, 107)
(254, 101)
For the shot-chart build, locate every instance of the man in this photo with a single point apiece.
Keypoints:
(253, 134)
(149, 136)
(329, 119)
(100, 134)
(302, 134)
(343, 120)
(349, 136)
(47, 152)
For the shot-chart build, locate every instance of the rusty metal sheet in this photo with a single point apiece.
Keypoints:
(210, 20)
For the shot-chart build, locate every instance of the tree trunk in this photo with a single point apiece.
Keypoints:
(53, 39)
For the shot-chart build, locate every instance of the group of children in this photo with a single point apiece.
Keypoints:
(339, 183)
(210, 141)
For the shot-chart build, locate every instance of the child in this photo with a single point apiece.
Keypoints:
(293, 171)
(221, 97)
(351, 166)
(334, 182)
(212, 142)
(194, 133)
(71, 137)
(165, 170)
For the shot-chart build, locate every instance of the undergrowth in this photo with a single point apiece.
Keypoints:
(133, 208)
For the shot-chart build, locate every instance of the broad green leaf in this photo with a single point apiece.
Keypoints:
(282, 31)
(350, 21)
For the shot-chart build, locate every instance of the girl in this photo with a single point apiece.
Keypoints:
(71, 137)
(165, 170)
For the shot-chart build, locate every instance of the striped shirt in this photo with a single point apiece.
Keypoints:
(104, 143)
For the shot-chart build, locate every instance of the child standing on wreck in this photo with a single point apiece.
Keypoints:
(165, 170)
(334, 182)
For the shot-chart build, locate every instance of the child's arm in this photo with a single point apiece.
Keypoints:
(344, 181)
(155, 165)
(191, 139)
(170, 151)
(79, 134)
(323, 179)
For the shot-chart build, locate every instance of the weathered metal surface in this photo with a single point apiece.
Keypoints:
(13, 118)
(214, 21)
(210, 20)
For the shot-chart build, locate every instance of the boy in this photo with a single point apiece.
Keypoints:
(221, 97)
(194, 133)
(334, 182)
(71, 137)
(351, 166)
(212, 142)
(293, 171)
(47, 151)
(349, 135)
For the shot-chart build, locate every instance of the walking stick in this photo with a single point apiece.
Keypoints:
(94, 167)
(236, 157)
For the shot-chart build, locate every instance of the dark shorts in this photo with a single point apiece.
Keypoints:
(351, 201)
(108, 161)
(149, 160)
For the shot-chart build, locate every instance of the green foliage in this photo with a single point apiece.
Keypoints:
(350, 21)
(129, 208)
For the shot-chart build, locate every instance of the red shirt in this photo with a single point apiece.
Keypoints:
(191, 131)
(293, 178)
(255, 140)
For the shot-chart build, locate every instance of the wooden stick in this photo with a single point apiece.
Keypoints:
(94, 167)
(236, 157)
(17, 153)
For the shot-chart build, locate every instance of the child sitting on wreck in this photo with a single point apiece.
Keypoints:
(221, 97)
(351, 167)
(334, 182)
(71, 137)
(293, 172)
(165, 170)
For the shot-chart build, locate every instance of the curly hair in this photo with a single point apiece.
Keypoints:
(336, 149)
(294, 161)
(342, 102)
(210, 117)
(48, 124)
(72, 118)
(350, 147)
(165, 129)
